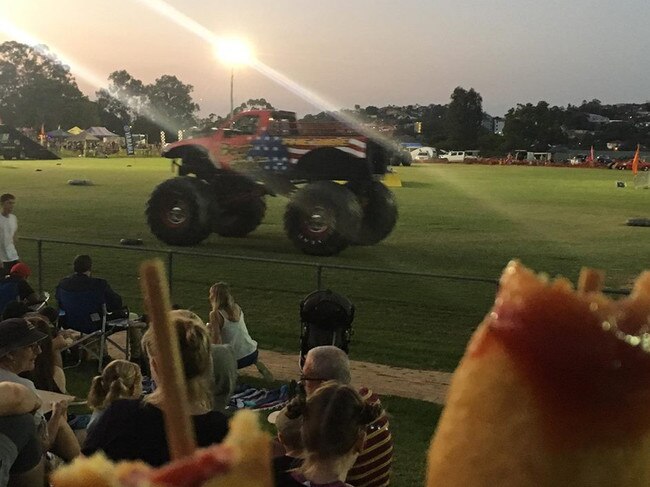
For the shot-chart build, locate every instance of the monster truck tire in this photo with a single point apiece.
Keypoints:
(323, 218)
(178, 211)
(241, 219)
(379, 214)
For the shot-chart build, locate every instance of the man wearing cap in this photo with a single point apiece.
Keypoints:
(373, 465)
(19, 347)
(8, 228)
(18, 278)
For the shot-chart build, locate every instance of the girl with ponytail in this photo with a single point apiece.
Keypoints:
(120, 379)
(334, 421)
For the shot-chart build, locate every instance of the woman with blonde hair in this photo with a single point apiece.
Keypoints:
(120, 379)
(133, 429)
(224, 366)
(333, 431)
(227, 326)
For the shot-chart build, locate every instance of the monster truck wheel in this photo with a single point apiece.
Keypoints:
(178, 211)
(379, 213)
(323, 218)
(240, 219)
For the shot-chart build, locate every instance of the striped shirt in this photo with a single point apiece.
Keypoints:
(372, 468)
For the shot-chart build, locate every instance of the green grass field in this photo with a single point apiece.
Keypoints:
(454, 220)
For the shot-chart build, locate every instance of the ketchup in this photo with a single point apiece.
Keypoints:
(589, 375)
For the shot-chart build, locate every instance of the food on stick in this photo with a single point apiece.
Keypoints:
(554, 389)
(171, 377)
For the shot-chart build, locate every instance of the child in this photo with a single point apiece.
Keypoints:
(120, 379)
(290, 438)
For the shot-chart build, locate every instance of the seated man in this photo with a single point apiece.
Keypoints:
(82, 280)
(374, 462)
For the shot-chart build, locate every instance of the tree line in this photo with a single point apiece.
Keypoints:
(37, 89)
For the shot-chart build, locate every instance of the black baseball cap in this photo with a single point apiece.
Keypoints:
(17, 333)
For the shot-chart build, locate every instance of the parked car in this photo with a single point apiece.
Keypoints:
(627, 166)
(424, 153)
(459, 155)
(577, 159)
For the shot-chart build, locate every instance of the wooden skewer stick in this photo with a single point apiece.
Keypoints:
(590, 280)
(169, 367)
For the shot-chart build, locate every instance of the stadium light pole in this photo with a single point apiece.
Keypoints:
(233, 53)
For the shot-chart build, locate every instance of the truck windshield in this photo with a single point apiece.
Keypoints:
(283, 125)
(246, 125)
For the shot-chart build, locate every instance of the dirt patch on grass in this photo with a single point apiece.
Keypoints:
(425, 385)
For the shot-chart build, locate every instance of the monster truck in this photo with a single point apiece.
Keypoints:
(330, 175)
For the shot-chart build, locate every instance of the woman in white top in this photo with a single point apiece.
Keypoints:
(227, 326)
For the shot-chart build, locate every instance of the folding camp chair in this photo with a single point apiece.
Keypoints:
(85, 312)
(8, 293)
(45, 296)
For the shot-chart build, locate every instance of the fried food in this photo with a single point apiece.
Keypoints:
(553, 390)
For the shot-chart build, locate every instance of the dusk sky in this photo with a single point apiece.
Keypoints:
(362, 51)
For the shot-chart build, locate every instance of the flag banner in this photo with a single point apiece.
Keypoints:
(128, 138)
(635, 161)
(41, 134)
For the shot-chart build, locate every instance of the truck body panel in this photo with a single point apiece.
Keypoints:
(260, 143)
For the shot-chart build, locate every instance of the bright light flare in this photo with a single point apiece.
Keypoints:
(179, 18)
(234, 52)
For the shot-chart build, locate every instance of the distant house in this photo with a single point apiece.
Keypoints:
(499, 123)
(493, 124)
(595, 118)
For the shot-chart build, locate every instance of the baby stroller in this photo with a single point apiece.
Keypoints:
(326, 319)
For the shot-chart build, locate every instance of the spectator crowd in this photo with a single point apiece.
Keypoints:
(329, 433)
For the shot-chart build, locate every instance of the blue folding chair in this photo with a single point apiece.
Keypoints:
(8, 293)
(85, 312)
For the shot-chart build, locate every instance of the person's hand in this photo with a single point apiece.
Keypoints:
(59, 342)
(59, 411)
(59, 414)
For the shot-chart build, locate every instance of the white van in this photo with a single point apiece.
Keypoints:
(424, 153)
(459, 155)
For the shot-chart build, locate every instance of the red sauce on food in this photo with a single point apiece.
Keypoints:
(195, 470)
(590, 383)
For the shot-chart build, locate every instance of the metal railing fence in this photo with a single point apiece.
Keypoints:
(405, 318)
